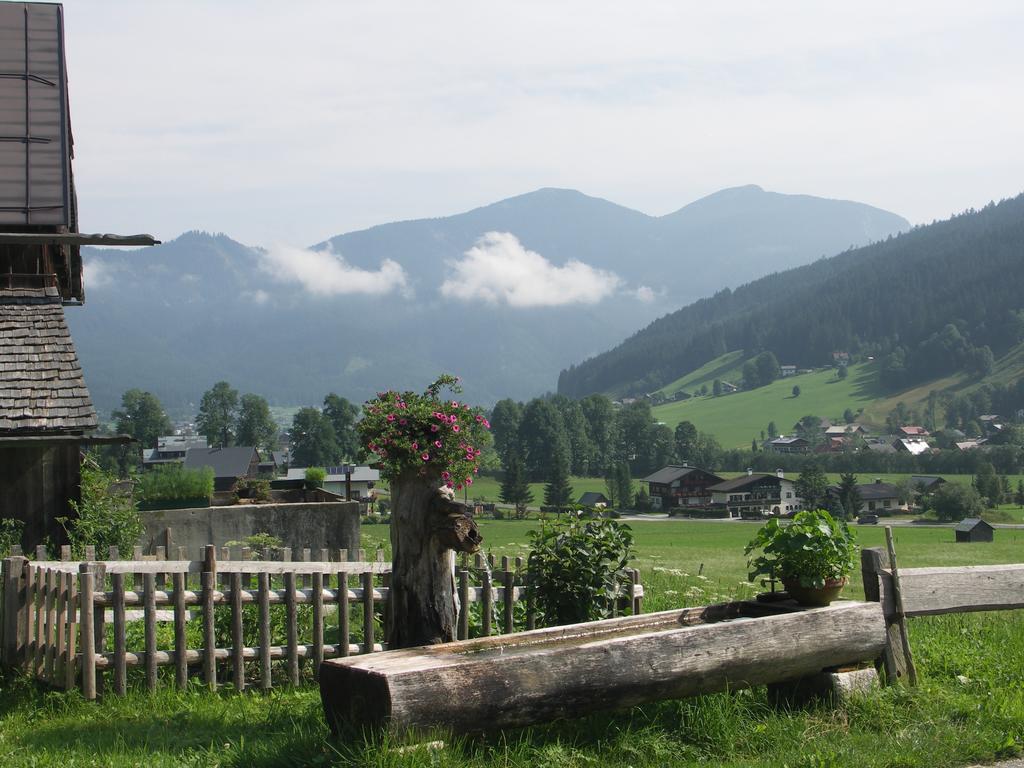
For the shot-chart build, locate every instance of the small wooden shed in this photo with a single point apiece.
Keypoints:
(972, 529)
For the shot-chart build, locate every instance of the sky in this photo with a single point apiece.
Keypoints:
(283, 124)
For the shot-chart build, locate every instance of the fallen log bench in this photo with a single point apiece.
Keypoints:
(546, 674)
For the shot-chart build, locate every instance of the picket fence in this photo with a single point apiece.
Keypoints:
(60, 616)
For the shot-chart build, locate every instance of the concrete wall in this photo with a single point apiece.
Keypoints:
(334, 525)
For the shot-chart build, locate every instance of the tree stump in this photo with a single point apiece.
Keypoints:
(427, 527)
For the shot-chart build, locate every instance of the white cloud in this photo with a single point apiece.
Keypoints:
(97, 274)
(259, 296)
(499, 270)
(324, 273)
(645, 294)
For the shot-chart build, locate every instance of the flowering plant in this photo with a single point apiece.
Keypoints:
(439, 439)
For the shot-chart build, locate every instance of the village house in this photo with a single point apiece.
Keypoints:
(228, 464)
(680, 485)
(757, 495)
(46, 412)
(912, 431)
(593, 499)
(913, 446)
(878, 498)
(845, 430)
(171, 449)
(783, 444)
(362, 480)
(787, 370)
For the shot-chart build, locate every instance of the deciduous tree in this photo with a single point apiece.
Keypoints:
(216, 419)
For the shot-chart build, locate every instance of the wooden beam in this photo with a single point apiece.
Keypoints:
(518, 680)
(932, 591)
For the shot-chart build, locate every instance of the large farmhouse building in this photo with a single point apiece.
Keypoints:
(679, 485)
(756, 495)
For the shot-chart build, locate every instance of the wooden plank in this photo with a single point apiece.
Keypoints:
(291, 629)
(40, 619)
(99, 619)
(71, 664)
(29, 638)
(487, 606)
(367, 579)
(343, 611)
(901, 616)
(318, 622)
(237, 640)
(15, 610)
(518, 680)
(120, 643)
(149, 589)
(180, 631)
(195, 657)
(88, 638)
(508, 600)
(932, 591)
(263, 582)
(463, 624)
(62, 630)
(229, 566)
(51, 625)
(209, 636)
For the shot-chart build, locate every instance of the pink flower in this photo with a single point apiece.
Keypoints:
(403, 422)
(434, 427)
(425, 457)
(446, 475)
(415, 446)
(487, 424)
(476, 470)
(469, 480)
(391, 417)
(455, 427)
(437, 443)
(458, 487)
(455, 404)
(479, 418)
(465, 407)
(478, 451)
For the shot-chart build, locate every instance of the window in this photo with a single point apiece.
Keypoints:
(789, 494)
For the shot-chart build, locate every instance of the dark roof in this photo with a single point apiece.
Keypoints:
(926, 480)
(226, 462)
(880, 447)
(41, 384)
(590, 498)
(970, 523)
(788, 440)
(742, 482)
(872, 491)
(668, 474)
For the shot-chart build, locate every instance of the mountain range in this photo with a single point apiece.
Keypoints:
(935, 301)
(505, 295)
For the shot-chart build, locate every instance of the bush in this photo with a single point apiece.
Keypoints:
(105, 517)
(577, 569)
(174, 482)
(315, 478)
(951, 501)
(11, 531)
(252, 489)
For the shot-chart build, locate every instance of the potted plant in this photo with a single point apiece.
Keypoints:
(812, 555)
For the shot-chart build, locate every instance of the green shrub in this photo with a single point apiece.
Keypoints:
(577, 568)
(315, 477)
(174, 482)
(105, 517)
(10, 534)
(252, 489)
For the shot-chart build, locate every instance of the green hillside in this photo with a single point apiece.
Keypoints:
(735, 419)
(728, 367)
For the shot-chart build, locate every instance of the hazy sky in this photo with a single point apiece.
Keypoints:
(290, 122)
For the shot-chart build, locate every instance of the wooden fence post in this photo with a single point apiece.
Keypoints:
(15, 610)
(88, 638)
(208, 585)
(893, 663)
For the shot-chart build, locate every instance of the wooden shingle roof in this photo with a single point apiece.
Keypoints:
(41, 386)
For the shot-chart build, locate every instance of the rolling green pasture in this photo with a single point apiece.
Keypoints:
(737, 418)
(969, 707)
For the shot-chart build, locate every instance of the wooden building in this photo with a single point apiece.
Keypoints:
(973, 529)
(46, 413)
(680, 486)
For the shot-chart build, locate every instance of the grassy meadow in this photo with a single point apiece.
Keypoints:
(969, 707)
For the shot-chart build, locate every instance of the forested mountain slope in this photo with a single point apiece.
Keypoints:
(935, 300)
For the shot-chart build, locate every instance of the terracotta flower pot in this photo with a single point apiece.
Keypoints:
(814, 597)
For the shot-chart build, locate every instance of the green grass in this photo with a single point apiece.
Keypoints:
(728, 367)
(969, 707)
(489, 489)
(737, 418)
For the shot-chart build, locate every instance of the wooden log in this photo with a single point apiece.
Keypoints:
(237, 640)
(88, 638)
(51, 625)
(40, 618)
(263, 585)
(149, 620)
(532, 677)
(892, 661)
(99, 621)
(343, 610)
(29, 608)
(71, 665)
(367, 612)
(62, 629)
(487, 607)
(318, 622)
(180, 634)
(291, 629)
(120, 643)
(463, 632)
(209, 582)
(508, 599)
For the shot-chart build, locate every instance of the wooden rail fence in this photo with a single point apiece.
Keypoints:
(911, 592)
(69, 623)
